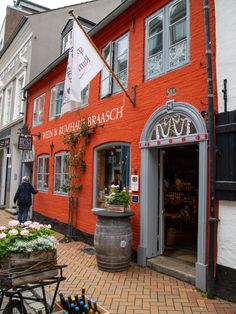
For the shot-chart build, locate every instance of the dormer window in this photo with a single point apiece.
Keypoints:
(66, 41)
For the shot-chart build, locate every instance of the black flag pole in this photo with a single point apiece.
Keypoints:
(103, 59)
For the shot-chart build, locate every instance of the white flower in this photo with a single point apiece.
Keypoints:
(49, 226)
(13, 232)
(13, 223)
(2, 228)
(24, 233)
(27, 223)
(3, 235)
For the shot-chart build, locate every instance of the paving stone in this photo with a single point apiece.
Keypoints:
(135, 291)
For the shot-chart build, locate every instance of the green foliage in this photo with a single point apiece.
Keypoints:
(117, 197)
(76, 143)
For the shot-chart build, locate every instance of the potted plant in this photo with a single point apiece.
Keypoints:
(26, 247)
(117, 200)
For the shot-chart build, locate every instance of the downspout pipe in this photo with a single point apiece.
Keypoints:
(211, 131)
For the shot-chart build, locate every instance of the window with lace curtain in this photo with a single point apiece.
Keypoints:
(167, 39)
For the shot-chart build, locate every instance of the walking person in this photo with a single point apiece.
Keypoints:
(23, 198)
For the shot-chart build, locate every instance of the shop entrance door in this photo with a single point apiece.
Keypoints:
(179, 203)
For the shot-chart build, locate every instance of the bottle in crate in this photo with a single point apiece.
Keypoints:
(95, 307)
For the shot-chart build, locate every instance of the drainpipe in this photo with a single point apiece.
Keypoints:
(211, 130)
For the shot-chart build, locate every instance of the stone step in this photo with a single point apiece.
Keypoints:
(173, 267)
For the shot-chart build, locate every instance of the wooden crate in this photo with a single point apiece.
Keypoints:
(20, 269)
(100, 308)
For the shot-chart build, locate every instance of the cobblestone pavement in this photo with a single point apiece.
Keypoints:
(135, 291)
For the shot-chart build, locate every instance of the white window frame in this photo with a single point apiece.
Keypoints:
(53, 107)
(66, 41)
(166, 40)
(7, 105)
(112, 86)
(1, 108)
(38, 104)
(61, 174)
(19, 102)
(96, 192)
(43, 173)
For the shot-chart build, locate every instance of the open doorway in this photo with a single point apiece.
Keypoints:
(180, 202)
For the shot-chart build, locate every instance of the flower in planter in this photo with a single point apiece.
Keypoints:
(117, 196)
(25, 238)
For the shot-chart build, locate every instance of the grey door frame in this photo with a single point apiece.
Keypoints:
(148, 245)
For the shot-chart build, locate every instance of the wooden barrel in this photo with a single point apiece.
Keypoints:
(113, 240)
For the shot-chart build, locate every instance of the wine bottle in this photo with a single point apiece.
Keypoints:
(77, 299)
(72, 308)
(96, 311)
(70, 299)
(90, 307)
(64, 302)
(86, 309)
(77, 310)
(83, 294)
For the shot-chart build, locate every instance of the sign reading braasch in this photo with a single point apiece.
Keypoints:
(99, 119)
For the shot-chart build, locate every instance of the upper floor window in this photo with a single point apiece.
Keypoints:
(61, 173)
(38, 110)
(66, 41)
(1, 97)
(43, 173)
(19, 96)
(56, 100)
(7, 106)
(116, 55)
(167, 39)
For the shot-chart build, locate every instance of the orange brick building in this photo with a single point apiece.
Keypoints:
(157, 48)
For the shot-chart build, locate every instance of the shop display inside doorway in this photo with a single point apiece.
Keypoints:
(181, 198)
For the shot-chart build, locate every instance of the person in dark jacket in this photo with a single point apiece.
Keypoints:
(23, 198)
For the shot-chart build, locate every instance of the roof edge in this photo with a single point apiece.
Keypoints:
(13, 35)
(110, 17)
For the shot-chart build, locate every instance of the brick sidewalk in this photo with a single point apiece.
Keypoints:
(137, 290)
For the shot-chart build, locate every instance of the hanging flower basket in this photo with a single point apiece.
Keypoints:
(27, 253)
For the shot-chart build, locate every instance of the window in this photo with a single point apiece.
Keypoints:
(167, 39)
(43, 173)
(7, 106)
(66, 41)
(116, 55)
(38, 110)
(56, 100)
(61, 173)
(1, 109)
(112, 167)
(19, 96)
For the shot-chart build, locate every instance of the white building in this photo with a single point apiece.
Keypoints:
(225, 13)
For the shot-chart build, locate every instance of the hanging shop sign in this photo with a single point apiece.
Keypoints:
(4, 142)
(25, 142)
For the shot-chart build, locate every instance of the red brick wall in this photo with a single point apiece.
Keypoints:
(190, 83)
